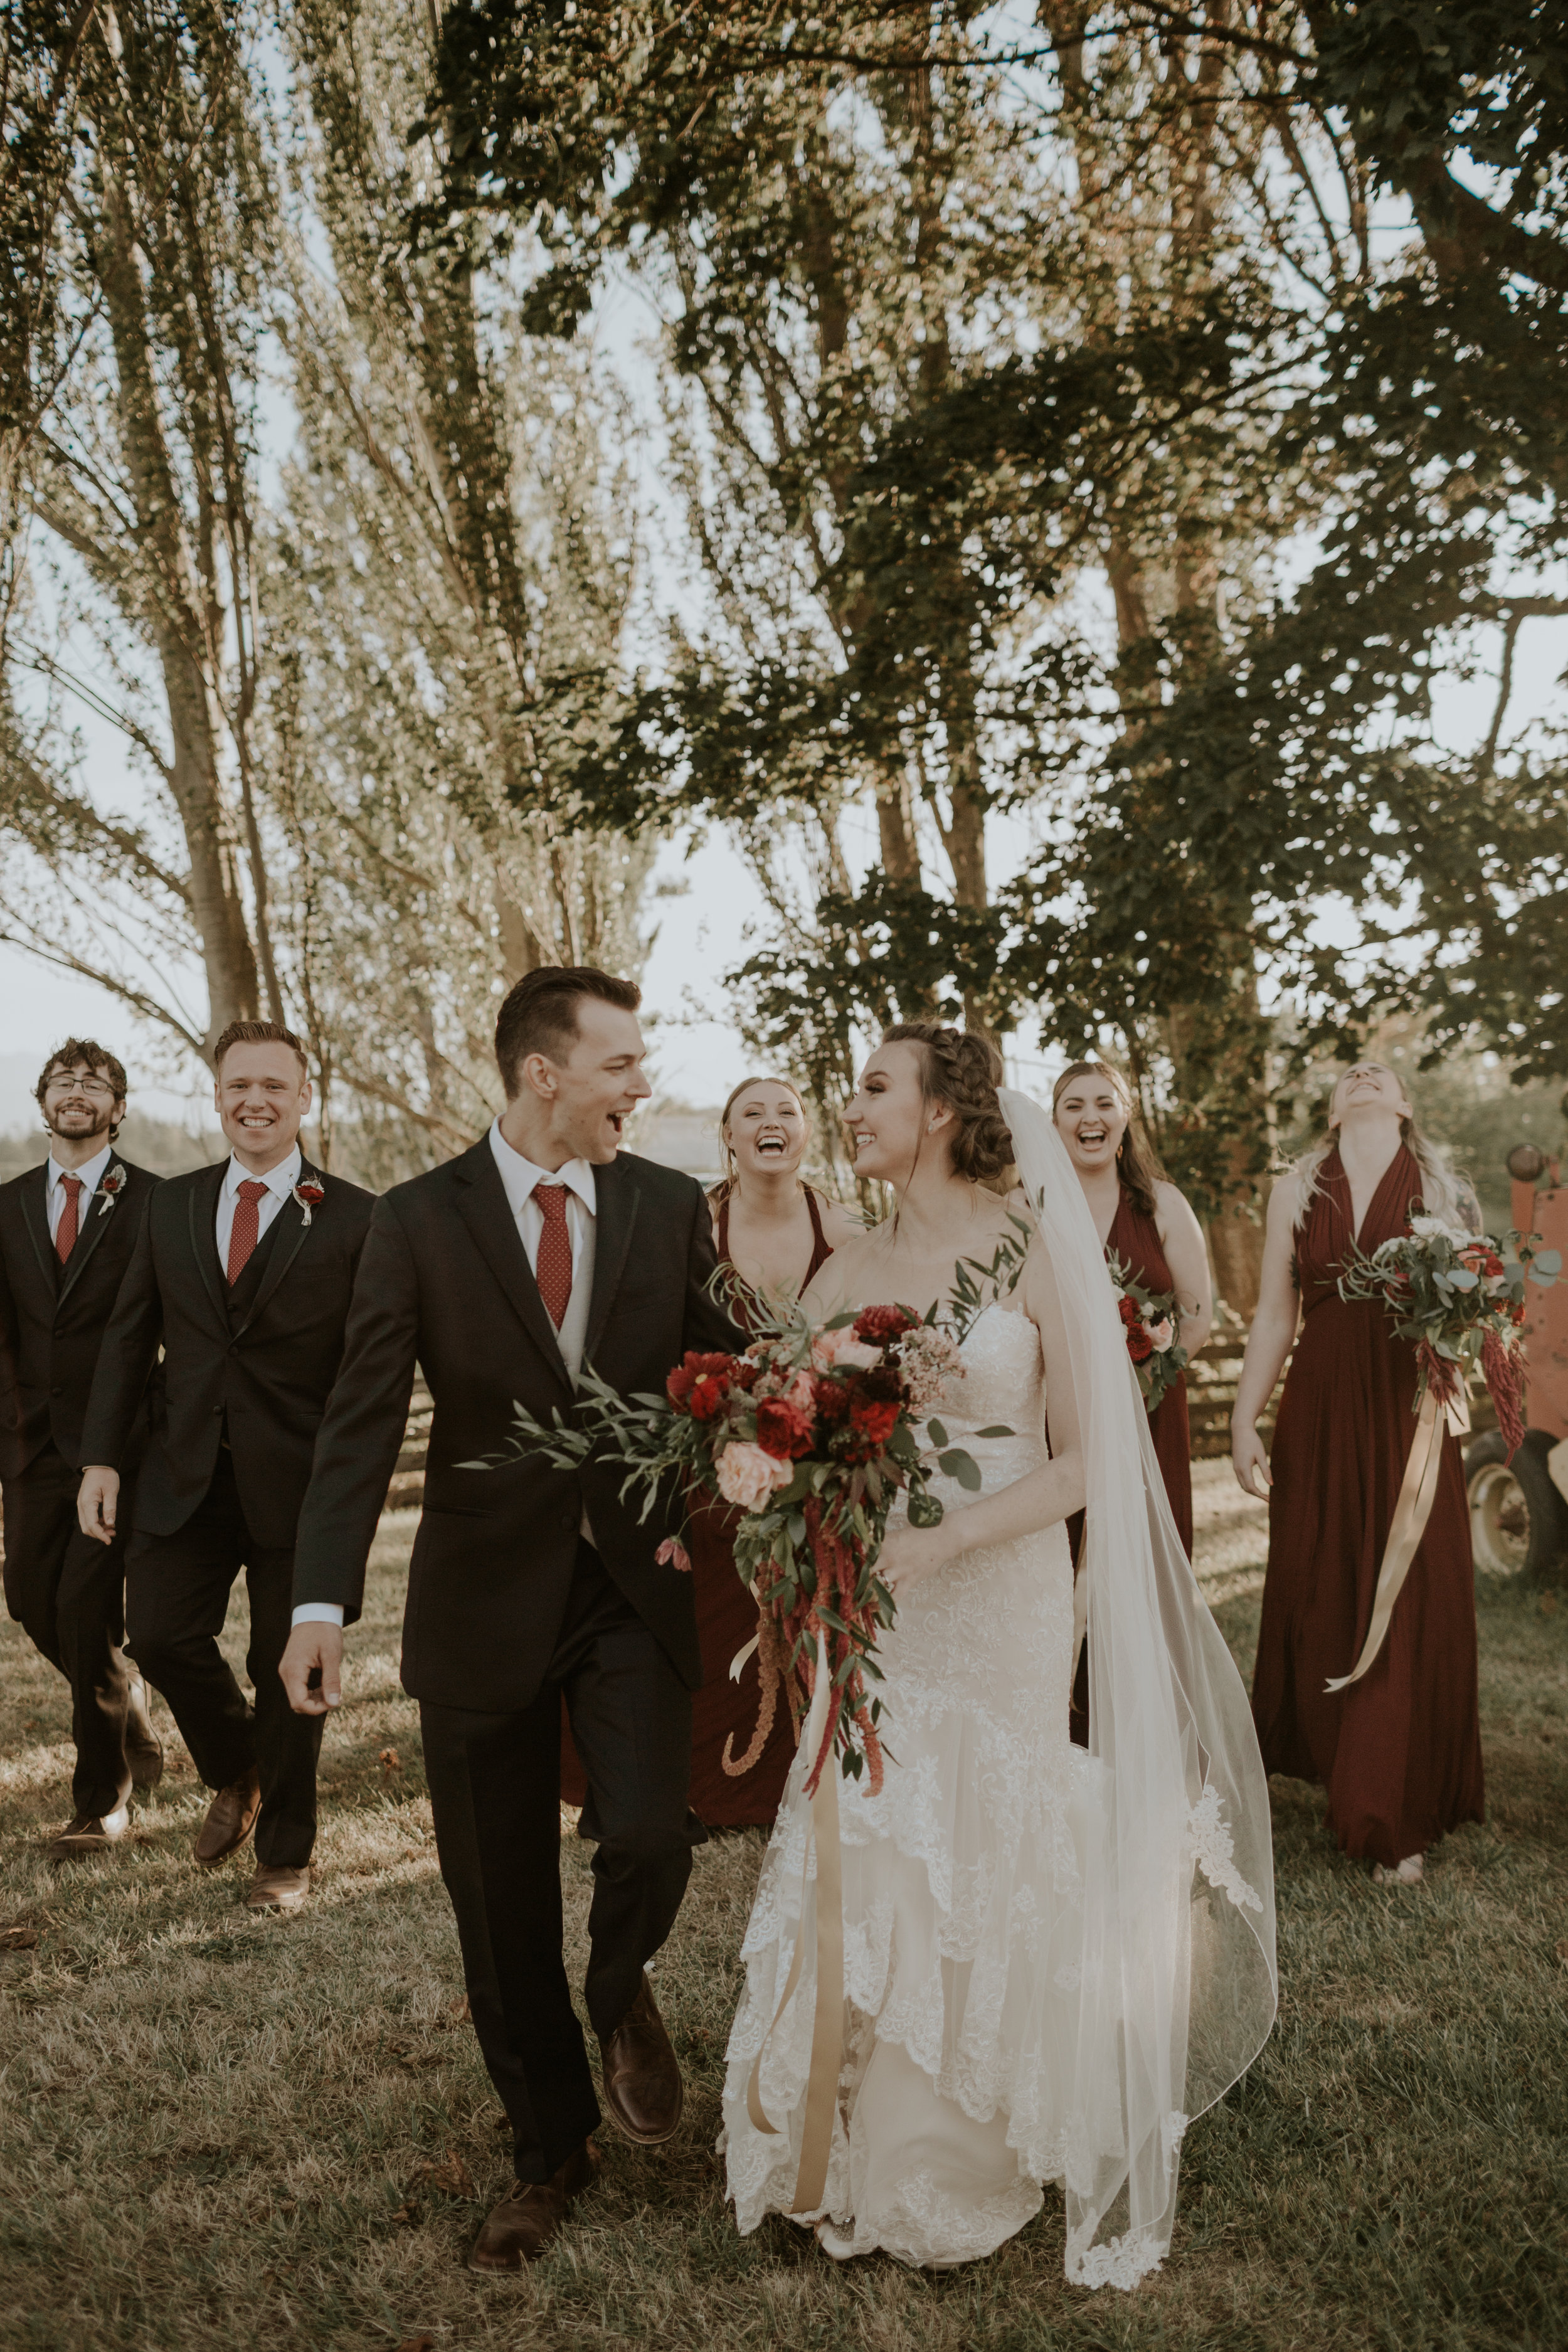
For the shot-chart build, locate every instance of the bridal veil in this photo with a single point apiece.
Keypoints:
(1178, 1984)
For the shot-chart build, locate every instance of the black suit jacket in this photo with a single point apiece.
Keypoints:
(52, 1317)
(262, 1374)
(445, 1279)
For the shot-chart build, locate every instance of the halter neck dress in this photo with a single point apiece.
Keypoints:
(1399, 1752)
(726, 1620)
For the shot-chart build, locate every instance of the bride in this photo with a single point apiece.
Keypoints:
(1051, 1960)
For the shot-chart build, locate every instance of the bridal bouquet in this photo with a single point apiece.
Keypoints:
(810, 1435)
(1462, 1303)
(1151, 1320)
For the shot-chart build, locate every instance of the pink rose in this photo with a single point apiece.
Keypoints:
(748, 1477)
(843, 1348)
(1162, 1334)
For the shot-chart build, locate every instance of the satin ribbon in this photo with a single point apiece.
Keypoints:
(1417, 1492)
(828, 2023)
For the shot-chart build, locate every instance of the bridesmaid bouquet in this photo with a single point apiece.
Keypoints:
(810, 1435)
(1151, 1320)
(1456, 1296)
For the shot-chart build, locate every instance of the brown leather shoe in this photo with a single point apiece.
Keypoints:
(531, 2214)
(230, 1818)
(143, 1748)
(642, 2083)
(277, 1888)
(88, 1834)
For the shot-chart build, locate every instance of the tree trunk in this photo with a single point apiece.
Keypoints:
(172, 615)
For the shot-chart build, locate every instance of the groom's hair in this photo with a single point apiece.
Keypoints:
(539, 1014)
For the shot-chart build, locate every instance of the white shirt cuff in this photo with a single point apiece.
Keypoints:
(318, 1612)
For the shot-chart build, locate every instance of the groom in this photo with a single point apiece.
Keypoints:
(501, 1273)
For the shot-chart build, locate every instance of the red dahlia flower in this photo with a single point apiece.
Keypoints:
(878, 1324)
(700, 1384)
(783, 1429)
(1139, 1346)
(831, 1399)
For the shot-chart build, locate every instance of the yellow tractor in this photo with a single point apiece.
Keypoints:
(1519, 1510)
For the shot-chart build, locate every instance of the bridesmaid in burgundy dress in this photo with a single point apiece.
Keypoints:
(1399, 1752)
(1147, 1224)
(774, 1230)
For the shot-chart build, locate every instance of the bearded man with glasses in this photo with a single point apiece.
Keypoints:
(68, 1229)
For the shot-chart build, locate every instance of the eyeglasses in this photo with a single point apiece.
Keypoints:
(66, 1082)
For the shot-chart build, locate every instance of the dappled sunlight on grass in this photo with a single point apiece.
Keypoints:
(225, 2129)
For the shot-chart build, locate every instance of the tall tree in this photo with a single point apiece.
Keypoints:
(135, 474)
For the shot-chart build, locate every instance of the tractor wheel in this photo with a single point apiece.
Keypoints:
(1519, 1521)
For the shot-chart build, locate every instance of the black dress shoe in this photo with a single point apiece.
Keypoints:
(643, 2089)
(88, 1834)
(531, 2214)
(143, 1748)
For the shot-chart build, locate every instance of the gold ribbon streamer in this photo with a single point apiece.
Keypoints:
(1417, 1492)
(827, 2022)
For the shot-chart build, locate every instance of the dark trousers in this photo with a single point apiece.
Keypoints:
(176, 1598)
(68, 1593)
(495, 1790)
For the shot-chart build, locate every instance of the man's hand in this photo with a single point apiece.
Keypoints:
(98, 1499)
(312, 1669)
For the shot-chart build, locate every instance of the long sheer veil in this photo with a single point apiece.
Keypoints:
(1179, 1983)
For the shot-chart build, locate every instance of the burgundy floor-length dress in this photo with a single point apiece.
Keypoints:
(726, 1620)
(1400, 1752)
(1135, 1240)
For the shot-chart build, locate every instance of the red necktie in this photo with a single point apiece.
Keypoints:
(246, 1225)
(70, 1218)
(553, 1271)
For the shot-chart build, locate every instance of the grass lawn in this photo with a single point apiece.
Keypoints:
(220, 2131)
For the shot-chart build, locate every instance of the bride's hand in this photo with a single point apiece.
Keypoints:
(907, 1554)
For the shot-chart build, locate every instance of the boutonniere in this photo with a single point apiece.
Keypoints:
(309, 1195)
(113, 1184)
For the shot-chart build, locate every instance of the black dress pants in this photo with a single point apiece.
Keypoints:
(176, 1598)
(495, 1790)
(68, 1593)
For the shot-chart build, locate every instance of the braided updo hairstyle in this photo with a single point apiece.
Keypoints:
(963, 1072)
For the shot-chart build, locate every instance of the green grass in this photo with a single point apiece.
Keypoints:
(223, 2131)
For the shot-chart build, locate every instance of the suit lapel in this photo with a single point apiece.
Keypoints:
(286, 1246)
(90, 1236)
(202, 1210)
(36, 1217)
(487, 1212)
(617, 1197)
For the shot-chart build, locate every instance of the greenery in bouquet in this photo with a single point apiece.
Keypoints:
(809, 1435)
(1460, 1300)
(1150, 1320)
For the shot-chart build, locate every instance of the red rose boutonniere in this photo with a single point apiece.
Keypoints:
(309, 1195)
(113, 1184)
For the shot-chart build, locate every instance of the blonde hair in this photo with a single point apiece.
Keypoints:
(1136, 1162)
(1442, 1193)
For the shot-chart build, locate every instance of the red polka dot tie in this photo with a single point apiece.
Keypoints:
(69, 1224)
(245, 1229)
(553, 1271)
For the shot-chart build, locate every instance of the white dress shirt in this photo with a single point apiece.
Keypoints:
(54, 1196)
(518, 1177)
(279, 1183)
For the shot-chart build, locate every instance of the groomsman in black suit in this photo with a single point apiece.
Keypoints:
(543, 1247)
(243, 1275)
(66, 1232)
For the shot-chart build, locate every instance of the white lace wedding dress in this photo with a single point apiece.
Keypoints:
(962, 1895)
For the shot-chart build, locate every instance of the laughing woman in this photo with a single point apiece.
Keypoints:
(1145, 1222)
(774, 1232)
